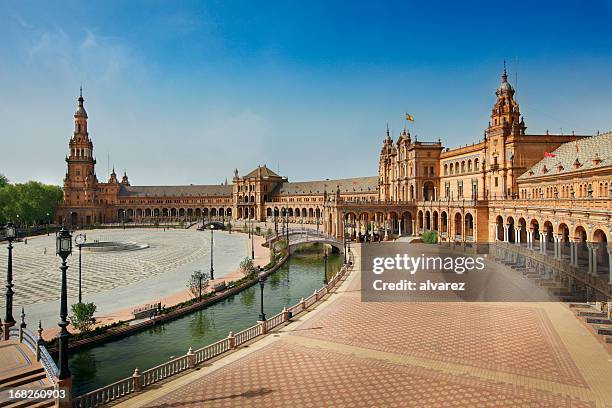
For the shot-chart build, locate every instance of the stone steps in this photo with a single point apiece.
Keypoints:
(604, 330)
(598, 320)
(593, 313)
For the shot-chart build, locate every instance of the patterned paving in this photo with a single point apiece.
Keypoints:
(35, 265)
(348, 353)
(269, 378)
(515, 338)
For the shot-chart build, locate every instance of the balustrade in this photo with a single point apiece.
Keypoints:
(139, 381)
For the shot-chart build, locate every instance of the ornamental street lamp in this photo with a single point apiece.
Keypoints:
(344, 233)
(325, 268)
(11, 233)
(63, 250)
(276, 221)
(212, 269)
(48, 223)
(80, 240)
(252, 242)
(262, 282)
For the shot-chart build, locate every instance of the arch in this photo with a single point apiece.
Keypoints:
(443, 223)
(268, 212)
(469, 227)
(435, 221)
(147, 212)
(181, 212)
(407, 223)
(420, 220)
(228, 213)
(304, 212)
(205, 212)
(173, 212)
(602, 260)
(310, 212)
(198, 213)
(213, 212)
(74, 218)
(429, 193)
(458, 226)
(393, 224)
(427, 221)
(499, 228)
(511, 232)
(534, 227)
(523, 230)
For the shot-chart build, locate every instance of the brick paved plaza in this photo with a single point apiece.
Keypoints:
(115, 280)
(348, 353)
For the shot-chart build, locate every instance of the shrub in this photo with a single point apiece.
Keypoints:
(82, 317)
(430, 237)
(246, 266)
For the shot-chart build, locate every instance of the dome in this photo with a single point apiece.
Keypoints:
(80, 110)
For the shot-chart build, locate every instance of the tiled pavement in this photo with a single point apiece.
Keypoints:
(352, 354)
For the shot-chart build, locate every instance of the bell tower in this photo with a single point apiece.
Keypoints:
(505, 130)
(80, 181)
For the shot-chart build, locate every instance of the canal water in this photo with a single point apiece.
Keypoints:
(109, 362)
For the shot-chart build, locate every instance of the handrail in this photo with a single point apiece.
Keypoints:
(106, 394)
(158, 373)
(211, 351)
(165, 370)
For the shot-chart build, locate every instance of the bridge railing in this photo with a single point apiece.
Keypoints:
(138, 381)
(35, 344)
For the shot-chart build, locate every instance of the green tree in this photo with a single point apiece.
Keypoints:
(32, 201)
(82, 317)
(3, 180)
(197, 283)
(246, 266)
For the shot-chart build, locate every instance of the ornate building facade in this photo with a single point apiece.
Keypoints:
(544, 191)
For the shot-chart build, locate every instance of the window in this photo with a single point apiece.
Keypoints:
(496, 182)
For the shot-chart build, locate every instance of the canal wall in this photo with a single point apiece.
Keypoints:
(121, 331)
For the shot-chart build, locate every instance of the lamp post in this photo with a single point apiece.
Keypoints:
(262, 282)
(287, 230)
(317, 213)
(212, 269)
(80, 240)
(276, 221)
(9, 321)
(48, 223)
(325, 267)
(252, 242)
(63, 250)
(344, 233)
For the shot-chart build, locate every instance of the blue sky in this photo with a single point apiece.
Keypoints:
(182, 92)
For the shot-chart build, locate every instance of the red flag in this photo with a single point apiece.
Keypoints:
(546, 154)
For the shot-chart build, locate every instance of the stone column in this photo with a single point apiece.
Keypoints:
(506, 228)
(543, 242)
(414, 231)
(594, 258)
(400, 227)
(530, 238)
(517, 235)
(590, 256)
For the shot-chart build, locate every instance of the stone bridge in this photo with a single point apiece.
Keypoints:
(307, 236)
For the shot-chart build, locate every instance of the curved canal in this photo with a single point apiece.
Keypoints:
(106, 363)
